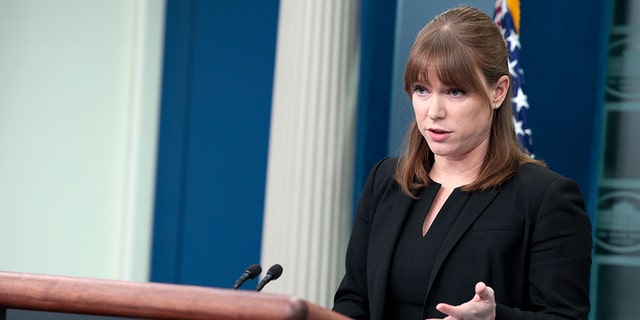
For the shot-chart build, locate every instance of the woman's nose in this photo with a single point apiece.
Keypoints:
(435, 109)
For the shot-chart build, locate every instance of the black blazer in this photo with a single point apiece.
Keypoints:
(530, 240)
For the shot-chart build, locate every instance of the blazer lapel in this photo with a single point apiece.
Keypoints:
(472, 210)
(390, 225)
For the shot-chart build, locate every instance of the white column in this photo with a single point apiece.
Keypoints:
(309, 196)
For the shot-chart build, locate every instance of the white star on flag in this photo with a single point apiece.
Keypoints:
(514, 41)
(518, 125)
(512, 67)
(520, 100)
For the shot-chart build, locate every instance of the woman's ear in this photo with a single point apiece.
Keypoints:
(500, 90)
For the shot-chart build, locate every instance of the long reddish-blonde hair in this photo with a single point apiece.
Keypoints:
(457, 44)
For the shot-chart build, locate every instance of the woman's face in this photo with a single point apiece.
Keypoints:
(454, 122)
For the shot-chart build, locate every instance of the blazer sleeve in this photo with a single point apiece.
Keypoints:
(351, 298)
(560, 257)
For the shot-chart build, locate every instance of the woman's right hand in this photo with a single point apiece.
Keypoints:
(481, 307)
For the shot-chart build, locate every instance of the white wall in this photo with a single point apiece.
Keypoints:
(79, 95)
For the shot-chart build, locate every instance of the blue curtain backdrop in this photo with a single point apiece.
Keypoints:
(563, 56)
(374, 94)
(214, 131)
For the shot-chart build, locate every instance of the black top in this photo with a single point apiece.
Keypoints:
(414, 254)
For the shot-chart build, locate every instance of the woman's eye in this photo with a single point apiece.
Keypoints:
(456, 92)
(420, 90)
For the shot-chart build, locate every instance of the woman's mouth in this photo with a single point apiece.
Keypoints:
(438, 134)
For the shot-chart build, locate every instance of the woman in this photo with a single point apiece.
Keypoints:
(465, 225)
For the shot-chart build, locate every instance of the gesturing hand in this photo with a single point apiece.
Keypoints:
(481, 307)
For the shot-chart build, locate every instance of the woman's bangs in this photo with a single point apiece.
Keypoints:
(454, 68)
(450, 62)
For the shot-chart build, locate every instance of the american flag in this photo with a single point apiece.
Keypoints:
(507, 16)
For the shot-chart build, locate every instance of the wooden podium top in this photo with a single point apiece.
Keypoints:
(149, 300)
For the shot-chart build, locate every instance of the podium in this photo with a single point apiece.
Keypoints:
(148, 300)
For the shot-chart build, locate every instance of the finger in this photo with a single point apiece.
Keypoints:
(448, 309)
(479, 292)
(483, 291)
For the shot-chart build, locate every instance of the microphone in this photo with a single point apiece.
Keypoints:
(274, 273)
(251, 272)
